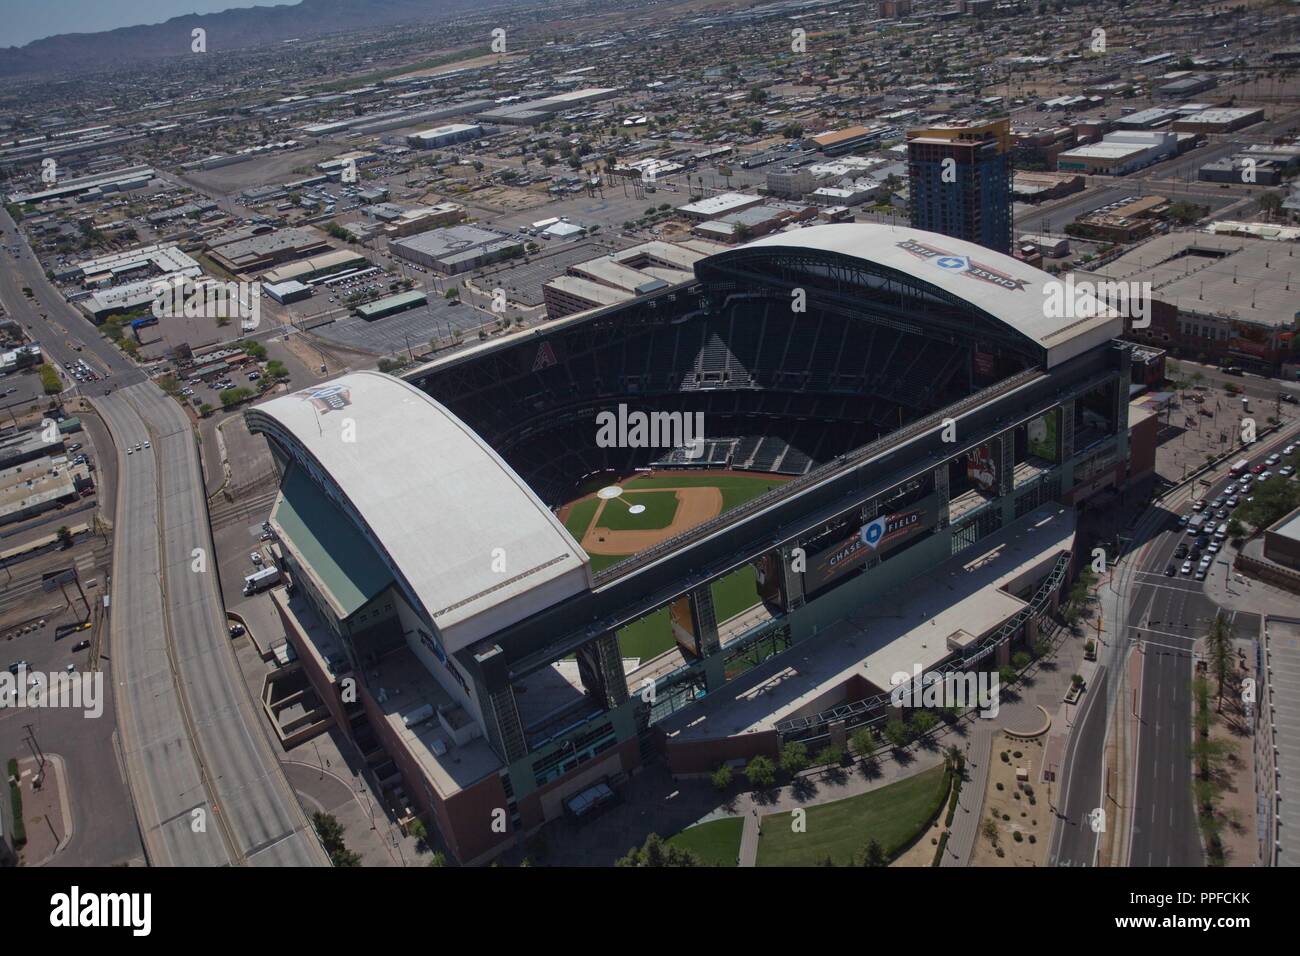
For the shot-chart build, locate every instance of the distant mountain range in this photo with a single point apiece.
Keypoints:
(227, 30)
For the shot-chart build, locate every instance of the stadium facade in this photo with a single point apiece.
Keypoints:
(934, 430)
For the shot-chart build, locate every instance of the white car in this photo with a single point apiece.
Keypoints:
(129, 450)
(146, 444)
(1186, 568)
(1289, 449)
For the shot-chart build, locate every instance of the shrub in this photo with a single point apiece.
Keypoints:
(938, 853)
(721, 778)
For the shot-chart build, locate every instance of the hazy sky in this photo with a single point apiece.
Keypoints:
(27, 20)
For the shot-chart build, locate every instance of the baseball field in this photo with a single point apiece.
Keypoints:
(650, 508)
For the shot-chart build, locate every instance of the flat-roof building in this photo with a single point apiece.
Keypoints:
(713, 207)
(456, 249)
(260, 252)
(391, 305)
(441, 136)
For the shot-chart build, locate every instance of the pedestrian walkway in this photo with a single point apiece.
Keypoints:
(970, 802)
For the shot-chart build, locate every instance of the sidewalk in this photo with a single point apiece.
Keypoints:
(970, 802)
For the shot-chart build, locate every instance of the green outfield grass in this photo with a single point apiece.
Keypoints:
(580, 516)
(660, 507)
(736, 592)
(716, 843)
(893, 816)
(648, 637)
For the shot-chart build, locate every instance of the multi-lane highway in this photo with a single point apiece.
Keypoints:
(1163, 619)
(207, 786)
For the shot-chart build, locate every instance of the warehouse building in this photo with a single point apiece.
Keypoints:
(714, 207)
(39, 486)
(1218, 120)
(1119, 154)
(532, 112)
(288, 291)
(261, 252)
(313, 267)
(441, 136)
(456, 249)
(391, 305)
(1242, 170)
(1240, 308)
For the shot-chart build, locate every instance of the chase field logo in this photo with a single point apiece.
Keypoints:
(874, 532)
(328, 398)
(962, 264)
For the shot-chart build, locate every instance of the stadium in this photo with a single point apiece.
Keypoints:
(884, 440)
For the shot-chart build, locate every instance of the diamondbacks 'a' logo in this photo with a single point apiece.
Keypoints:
(545, 357)
(328, 398)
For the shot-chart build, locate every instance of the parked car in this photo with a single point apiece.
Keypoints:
(1187, 567)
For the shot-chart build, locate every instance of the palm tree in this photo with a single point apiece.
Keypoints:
(1219, 651)
(953, 755)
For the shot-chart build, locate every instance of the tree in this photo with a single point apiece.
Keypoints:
(864, 741)
(923, 722)
(873, 855)
(170, 384)
(655, 852)
(277, 370)
(255, 350)
(231, 397)
(830, 756)
(65, 537)
(760, 773)
(1218, 646)
(205, 410)
(419, 832)
(794, 758)
(50, 381)
(896, 733)
(330, 832)
(952, 755)
(453, 292)
(722, 777)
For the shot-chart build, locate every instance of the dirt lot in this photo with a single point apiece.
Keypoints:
(1016, 808)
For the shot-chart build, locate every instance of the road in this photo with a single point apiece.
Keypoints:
(1073, 841)
(1166, 616)
(190, 732)
(189, 729)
